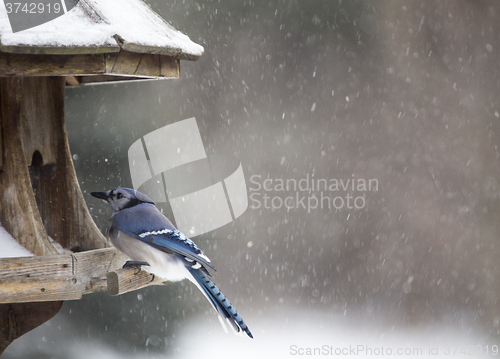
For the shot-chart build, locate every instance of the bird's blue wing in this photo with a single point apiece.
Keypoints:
(176, 241)
(144, 222)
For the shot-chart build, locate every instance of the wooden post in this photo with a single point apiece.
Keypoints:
(62, 208)
(18, 213)
(49, 201)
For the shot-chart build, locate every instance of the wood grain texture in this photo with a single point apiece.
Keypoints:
(142, 65)
(50, 65)
(123, 63)
(68, 277)
(149, 66)
(18, 213)
(133, 65)
(59, 199)
(46, 199)
(170, 67)
(128, 279)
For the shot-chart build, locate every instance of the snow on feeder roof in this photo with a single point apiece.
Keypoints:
(131, 39)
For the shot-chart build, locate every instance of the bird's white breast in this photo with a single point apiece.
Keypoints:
(166, 266)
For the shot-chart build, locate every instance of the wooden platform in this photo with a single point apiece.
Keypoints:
(68, 277)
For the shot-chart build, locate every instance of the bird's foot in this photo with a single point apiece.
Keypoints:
(135, 264)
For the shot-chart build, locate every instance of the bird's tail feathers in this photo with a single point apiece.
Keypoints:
(219, 302)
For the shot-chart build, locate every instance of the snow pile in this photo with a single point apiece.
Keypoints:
(74, 29)
(96, 24)
(136, 23)
(10, 247)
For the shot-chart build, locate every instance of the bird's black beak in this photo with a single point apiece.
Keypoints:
(101, 195)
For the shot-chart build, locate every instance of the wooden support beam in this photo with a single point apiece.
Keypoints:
(68, 277)
(50, 65)
(131, 65)
(126, 280)
(72, 81)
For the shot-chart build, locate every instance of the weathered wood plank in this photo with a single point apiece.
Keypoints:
(109, 62)
(128, 279)
(39, 115)
(149, 66)
(24, 290)
(50, 65)
(68, 277)
(36, 267)
(53, 178)
(169, 67)
(18, 213)
(125, 63)
(97, 263)
(42, 278)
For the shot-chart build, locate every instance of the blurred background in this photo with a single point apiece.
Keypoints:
(404, 93)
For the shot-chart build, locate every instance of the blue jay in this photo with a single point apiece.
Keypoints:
(139, 230)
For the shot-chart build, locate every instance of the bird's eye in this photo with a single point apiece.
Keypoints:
(119, 196)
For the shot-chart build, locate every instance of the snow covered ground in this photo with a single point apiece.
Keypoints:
(284, 337)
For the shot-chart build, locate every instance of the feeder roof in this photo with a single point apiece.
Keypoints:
(100, 26)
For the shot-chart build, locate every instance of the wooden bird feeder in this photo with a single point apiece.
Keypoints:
(96, 41)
